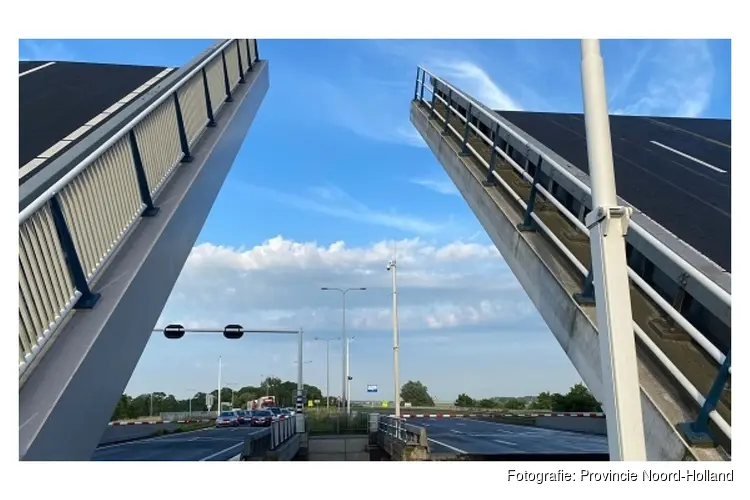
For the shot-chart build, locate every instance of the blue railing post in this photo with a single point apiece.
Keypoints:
(448, 111)
(416, 83)
(184, 144)
(239, 61)
(698, 432)
(528, 223)
(227, 88)
(207, 96)
(465, 144)
(140, 176)
(586, 296)
(88, 299)
(490, 180)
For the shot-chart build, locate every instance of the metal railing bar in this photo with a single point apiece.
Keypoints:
(94, 155)
(658, 245)
(671, 368)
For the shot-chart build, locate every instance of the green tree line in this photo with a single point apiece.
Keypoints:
(578, 399)
(155, 403)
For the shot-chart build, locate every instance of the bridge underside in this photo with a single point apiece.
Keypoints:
(551, 282)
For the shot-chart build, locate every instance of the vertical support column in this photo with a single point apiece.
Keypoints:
(608, 224)
(239, 61)
(421, 86)
(434, 94)
(207, 95)
(227, 88)
(140, 175)
(416, 83)
(465, 143)
(88, 299)
(528, 223)
(698, 433)
(490, 180)
(447, 111)
(184, 144)
(250, 60)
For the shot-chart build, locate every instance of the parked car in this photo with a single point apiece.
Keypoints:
(261, 418)
(227, 419)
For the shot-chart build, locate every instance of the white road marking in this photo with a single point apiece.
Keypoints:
(220, 452)
(505, 442)
(147, 440)
(29, 71)
(685, 155)
(447, 446)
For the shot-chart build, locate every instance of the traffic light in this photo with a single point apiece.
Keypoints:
(233, 332)
(174, 332)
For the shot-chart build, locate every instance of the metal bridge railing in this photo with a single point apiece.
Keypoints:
(281, 430)
(69, 233)
(397, 428)
(533, 220)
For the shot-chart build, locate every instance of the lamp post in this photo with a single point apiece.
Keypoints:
(345, 344)
(190, 401)
(608, 223)
(348, 379)
(397, 393)
(328, 371)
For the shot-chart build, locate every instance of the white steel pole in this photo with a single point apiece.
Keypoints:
(396, 389)
(345, 346)
(608, 225)
(218, 394)
(348, 382)
(328, 374)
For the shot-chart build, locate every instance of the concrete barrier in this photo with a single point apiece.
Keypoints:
(575, 424)
(402, 441)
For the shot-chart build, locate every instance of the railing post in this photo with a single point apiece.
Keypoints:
(490, 180)
(88, 299)
(434, 94)
(697, 432)
(227, 88)
(421, 88)
(587, 296)
(255, 44)
(250, 61)
(207, 95)
(416, 83)
(239, 61)
(528, 223)
(448, 111)
(184, 145)
(465, 144)
(140, 175)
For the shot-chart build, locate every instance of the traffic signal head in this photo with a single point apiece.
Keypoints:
(174, 332)
(233, 332)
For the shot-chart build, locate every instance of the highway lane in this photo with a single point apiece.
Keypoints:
(202, 445)
(463, 435)
(664, 167)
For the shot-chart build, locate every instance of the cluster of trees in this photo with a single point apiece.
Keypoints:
(160, 402)
(578, 399)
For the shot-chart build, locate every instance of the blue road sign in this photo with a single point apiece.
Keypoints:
(372, 388)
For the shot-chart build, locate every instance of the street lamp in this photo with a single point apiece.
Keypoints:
(608, 223)
(397, 392)
(344, 343)
(328, 371)
(348, 378)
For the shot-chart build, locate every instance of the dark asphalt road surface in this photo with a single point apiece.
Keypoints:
(667, 168)
(203, 445)
(56, 100)
(461, 435)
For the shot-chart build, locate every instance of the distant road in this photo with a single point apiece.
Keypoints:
(461, 435)
(203, 445)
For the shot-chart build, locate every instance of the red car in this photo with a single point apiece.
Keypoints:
(261, 418)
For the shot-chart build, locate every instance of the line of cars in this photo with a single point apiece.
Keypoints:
(255, 418)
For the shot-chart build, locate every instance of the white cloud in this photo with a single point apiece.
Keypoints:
(440, 186)
(475, 81)
(678, 82)
(277, 285)
(44, 50)
(332, 201)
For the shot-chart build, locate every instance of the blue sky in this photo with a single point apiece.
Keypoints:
(332, 173)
